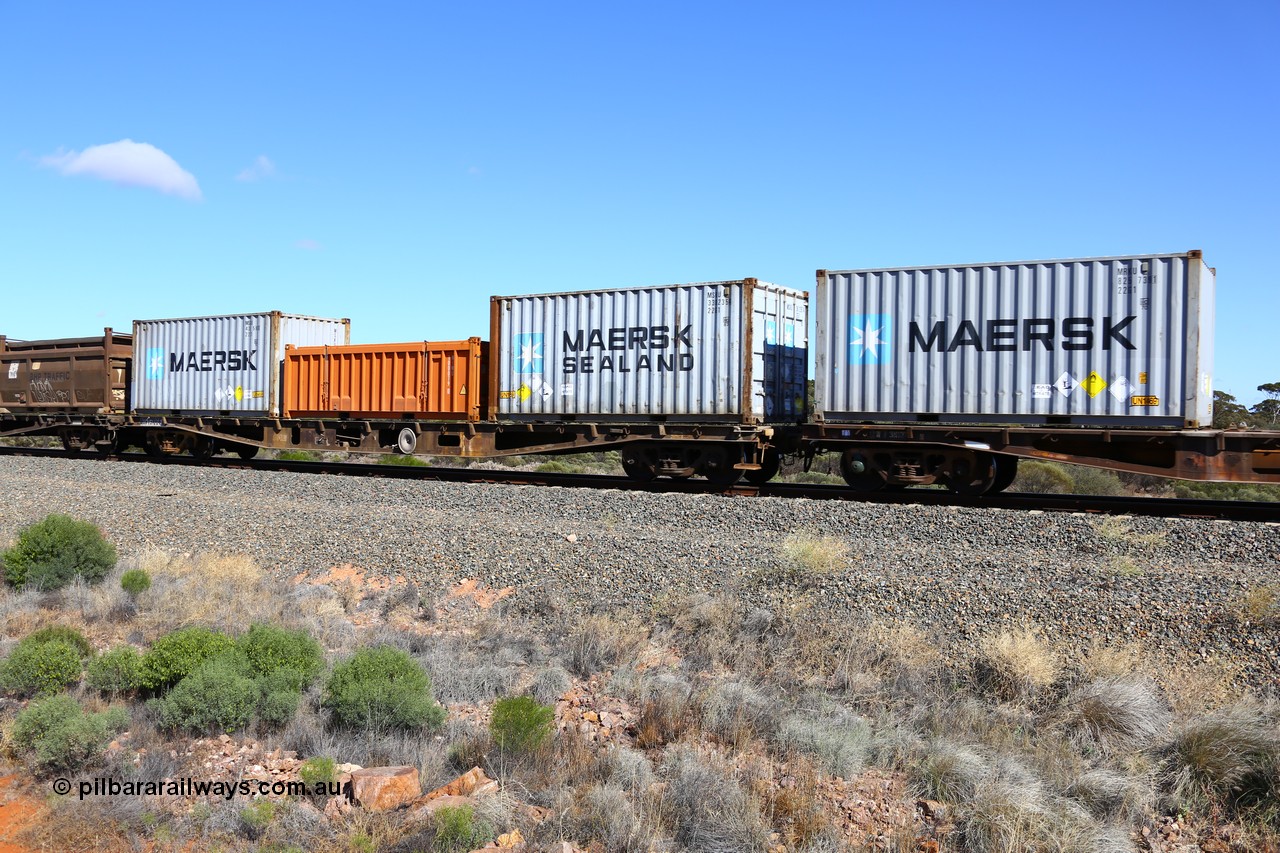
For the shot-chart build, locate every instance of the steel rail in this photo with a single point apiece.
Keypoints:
(1263, 511)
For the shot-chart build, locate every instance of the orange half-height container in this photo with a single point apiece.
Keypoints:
(424, 379)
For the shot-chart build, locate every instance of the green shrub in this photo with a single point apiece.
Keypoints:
(135, 582)
(298, 456)
(458, 830)
(406, 461)
(520, 725)
(41, 669)
(282, 680)
(218, 695)
(257, 817)
(175, 656)
(65, 633)
(61, 736)
(558, 466)
(1226, 491)
(51, 553)
(269, 649)
(115, 673)
(313, 771)
(382, 688)
(1042, 478)
(1095, 481)
(278, 707)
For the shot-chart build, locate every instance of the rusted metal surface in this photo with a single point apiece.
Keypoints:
(1243, 456)
(423, 379)
(79, 375)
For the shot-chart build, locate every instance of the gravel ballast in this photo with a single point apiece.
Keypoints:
(1175, 584)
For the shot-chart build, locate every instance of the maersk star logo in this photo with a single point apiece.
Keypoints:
(155, 363)
(870, 338)
(527, 354)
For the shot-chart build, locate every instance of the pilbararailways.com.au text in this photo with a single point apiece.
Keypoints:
(188, 787)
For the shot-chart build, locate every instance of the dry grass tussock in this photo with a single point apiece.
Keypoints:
(1015, 664)
(221, 591)
(1118, 714)
(1260, 603)
(808, 559)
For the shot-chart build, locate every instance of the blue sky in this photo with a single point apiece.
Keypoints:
(399, 163)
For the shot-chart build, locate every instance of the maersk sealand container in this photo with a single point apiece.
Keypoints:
(728, 351)
(221, 365)
(1089, 341)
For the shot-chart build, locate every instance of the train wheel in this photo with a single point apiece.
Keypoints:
(717, 467)
(107, 445)
(860, 472)
(246, 451)
(1006, 472)
(769, 466)
(638, 465)
(407, 441)
(973, 475)
(203, 448)
(153, 444)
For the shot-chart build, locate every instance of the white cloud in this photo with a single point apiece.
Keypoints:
(309, 245)
(128, 163)
(262, 168)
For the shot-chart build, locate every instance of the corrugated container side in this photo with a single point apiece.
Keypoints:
(79, 375)
(1085, 341)
(425, 379)
(226, 364)
(694, 351)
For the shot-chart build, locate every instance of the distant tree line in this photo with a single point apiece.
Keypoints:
(1228, 413)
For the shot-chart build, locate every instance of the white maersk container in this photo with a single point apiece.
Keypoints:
(221, 365)
(733, 351)
(1103, 341)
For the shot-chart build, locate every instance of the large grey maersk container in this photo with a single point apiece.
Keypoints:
(215, 365)
(1125, 340)
(733, 351)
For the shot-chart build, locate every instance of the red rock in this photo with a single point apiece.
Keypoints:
(471, 783)
(426, 810)
(378, 789)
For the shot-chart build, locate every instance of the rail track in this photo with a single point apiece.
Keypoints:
(1113, 505)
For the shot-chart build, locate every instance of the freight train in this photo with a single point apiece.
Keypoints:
(937, 374)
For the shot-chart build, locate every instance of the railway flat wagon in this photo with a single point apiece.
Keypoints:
(226, 365)
(951, 373)
(430, 380)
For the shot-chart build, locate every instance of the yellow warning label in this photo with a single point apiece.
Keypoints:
(524, 392)
(1144, 401)
(1094, 384)
(1142, 378)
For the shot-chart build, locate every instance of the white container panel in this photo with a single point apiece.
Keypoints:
(227, 364)
(1080, 341)
(695, 351)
